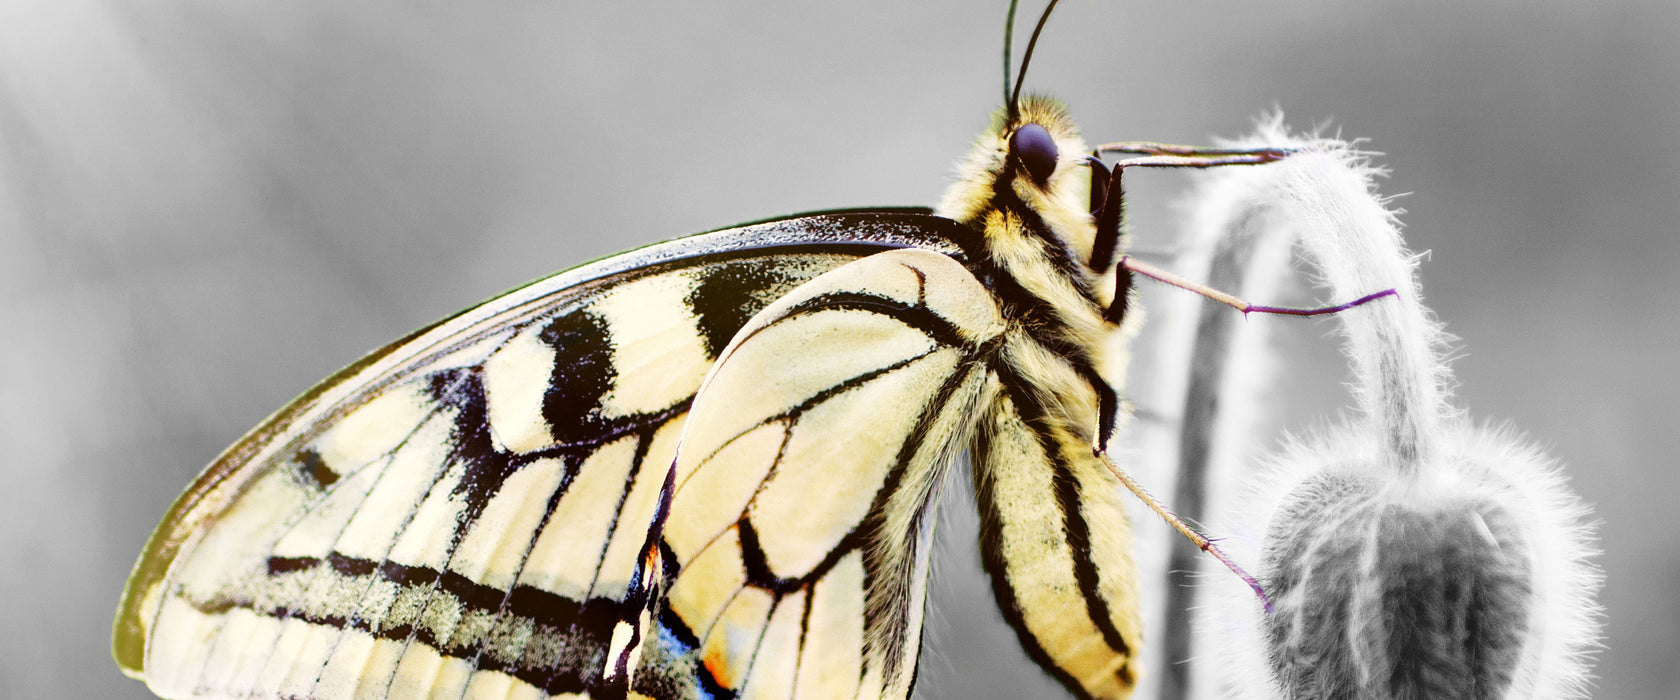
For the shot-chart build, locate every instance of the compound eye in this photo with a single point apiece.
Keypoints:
(1036, 150)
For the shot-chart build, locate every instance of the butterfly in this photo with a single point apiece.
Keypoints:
(697, 469)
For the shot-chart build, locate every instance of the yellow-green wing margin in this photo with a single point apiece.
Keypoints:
(461, 512)
(795, 551)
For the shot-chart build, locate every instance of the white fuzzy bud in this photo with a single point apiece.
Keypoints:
(1409, 553)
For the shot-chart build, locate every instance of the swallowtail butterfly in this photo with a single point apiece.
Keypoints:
(700, 469)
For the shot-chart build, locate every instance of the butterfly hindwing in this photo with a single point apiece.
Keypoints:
(463, 511)
(1056, 542)
(795, 549)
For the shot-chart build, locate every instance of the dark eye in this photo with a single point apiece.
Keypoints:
(1033, 147)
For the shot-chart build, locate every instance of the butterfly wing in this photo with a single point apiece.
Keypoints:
(463, 510)
(1055, 540)
(795, 549)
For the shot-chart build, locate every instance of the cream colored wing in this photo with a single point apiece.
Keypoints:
(461, 513)
(795, 549)
(1054, 536)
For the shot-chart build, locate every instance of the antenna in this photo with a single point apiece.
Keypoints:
(1014, 98)
(1008, 45)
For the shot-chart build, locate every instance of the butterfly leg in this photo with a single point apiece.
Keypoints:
(1108, 206)
(1108, 200)
(1155, 148)
(1130, 264)
(1110, 212)
(1108, 402)
(1108, 406)
(1190, 533)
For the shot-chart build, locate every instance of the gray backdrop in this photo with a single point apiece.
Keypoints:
(207, 206)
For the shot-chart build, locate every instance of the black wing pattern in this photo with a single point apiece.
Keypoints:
(796, 545)
(461, 513)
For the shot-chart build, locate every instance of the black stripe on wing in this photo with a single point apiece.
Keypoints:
(1065, 499)
(730, 275)
(933, 373)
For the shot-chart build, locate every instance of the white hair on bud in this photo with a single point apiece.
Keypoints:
(1408, 500)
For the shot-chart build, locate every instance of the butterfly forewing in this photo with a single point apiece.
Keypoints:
(462, 512)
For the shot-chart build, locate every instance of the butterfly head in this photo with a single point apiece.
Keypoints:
(1028, 170)
(1028, 184)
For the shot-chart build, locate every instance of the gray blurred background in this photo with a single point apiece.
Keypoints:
(207, 206)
